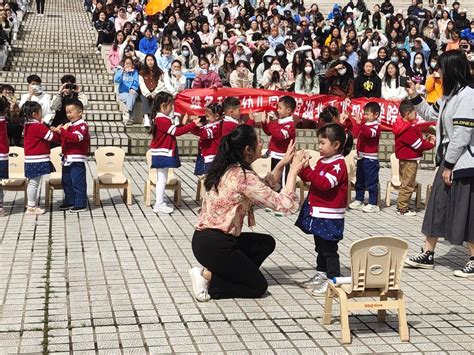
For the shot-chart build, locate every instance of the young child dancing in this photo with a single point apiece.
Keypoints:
(37, 139)
(209, 139)
(323, 211)
(164, 148)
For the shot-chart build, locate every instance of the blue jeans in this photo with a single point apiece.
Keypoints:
(74, 185)
(367, 178)
(128, 99)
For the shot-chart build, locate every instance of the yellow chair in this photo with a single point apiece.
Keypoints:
(300, 184)
(172, 184)
(395, 182)
(262, 166)
(200, 188)
(54, 180)
(110, 174)
(376, 269)
(16, 172)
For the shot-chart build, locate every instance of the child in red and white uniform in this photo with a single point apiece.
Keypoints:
(367, 174)
(409, 148)
(323, 211)
(231, 108)
(75, 143)
(209, 139)
(37, 139)
(282, 132)
(4, 148)
(164, 148)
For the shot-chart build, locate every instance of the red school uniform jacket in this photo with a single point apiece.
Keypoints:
(282, 131)
(4, 142)
(164, 141)
(327, 197)
(368, 140)
(37, 138)
(229, 124)
(209, 140)
(409, 142)
(75, 142)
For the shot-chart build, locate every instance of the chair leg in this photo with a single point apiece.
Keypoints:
(349, 196)
(418, 196)
(301, 186)
(129, 193)
(379, 196)
(96, 192)
(387, 194)
(345, 330)
(382, 313)
(402, 318)
(428, 193)
(328, 307)
(146, 194)
(177, 194)
(25, 200)
(47, 193)
(198, 191)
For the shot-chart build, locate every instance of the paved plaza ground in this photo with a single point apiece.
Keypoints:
(114, 280)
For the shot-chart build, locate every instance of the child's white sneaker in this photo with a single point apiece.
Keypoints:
(356, 205)
(199, 284)
(406, 213)
(35, 210)
(371, 209)
(163, 209)
(321, 289)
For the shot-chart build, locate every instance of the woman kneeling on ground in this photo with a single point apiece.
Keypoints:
(232, 259)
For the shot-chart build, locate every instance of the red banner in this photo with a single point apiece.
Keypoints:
(194, 101)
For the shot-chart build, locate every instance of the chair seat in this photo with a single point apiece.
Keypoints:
(55, 182)
(172, 181)
(14, 182)
(109, 178)
(55, 176)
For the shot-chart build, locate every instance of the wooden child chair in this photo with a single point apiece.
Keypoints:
(16, 172)
(54, 180)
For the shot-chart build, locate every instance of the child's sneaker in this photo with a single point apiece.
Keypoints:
(163, 209)
(321, 289)
(406, 213)
(424, 260)
(317, 279)
(467, 271)
(371, 209)
(65, 207)
(356, 205)
(78, 209)
(146, 121)
(2, 212)
(199, 284)
(35, 210)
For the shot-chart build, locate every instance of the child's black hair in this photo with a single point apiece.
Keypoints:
(336, 133)
(77, 104)
(289, 102)
(405, 107)
(162, 98)
(328, 114)
(215, 108)
(229, 103)
(372, 107)
(28, 109)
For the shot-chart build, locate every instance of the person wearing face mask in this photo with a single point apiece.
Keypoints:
(175, 81)
(307, 82)
(205, 77)
(417, 72)
(265, 65)
(242, 52)
(242, 76)
(340, 78)
(121, 19)
(394, 58)
(434, 84)
(36, 93)
(274, 78)
(280, 51)
(187, 58)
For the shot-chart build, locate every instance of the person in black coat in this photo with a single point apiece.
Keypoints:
(368, 83)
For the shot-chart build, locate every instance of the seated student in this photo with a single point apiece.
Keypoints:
(231, 110)
(282, 132)
(368, 83)
(75, 147)
(148, 45)
(14, 124)
(409, 148)
(165, 59)
(105, 30)
(128, 84)
(367, 175)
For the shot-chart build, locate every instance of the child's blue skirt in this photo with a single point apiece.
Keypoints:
(4, 169)
(201, 167)
(161, 162)
(33, 170)
(326, 228)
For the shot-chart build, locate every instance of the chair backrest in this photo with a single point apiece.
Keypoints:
(351, 165)
(315, 155)
(56, 158)
(395, 168)
(377, 263)
(152, 171)
(262, 166)
(109, 160)
(16, 163)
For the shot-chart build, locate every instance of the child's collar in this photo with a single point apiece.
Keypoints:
(78, 122)
(285, 120)
(230, 119)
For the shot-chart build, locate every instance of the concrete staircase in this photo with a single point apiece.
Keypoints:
(59, 43)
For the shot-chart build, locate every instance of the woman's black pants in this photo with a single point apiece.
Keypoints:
(40, 6)
(234, 262)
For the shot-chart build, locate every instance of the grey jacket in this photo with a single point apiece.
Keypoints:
(456, 115)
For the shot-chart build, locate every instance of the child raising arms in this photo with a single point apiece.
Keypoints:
(323, 211)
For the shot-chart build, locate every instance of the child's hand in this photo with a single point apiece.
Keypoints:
(411, 89)
(358, 118)
(185, 119)
(300, 161)
(432, 139)
(56, 129)
(344, 116)
(252, 115)
(197, 121)
(290, 153)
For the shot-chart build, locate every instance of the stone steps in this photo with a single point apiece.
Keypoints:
(53, 87)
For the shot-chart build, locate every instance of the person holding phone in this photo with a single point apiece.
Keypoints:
(36, 93)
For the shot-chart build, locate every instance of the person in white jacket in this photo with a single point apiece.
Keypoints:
(391, 84)
(151, 82)
(373, 42)
(175, 81)
(36, 93)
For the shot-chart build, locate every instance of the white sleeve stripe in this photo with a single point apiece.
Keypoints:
(285, 133)
(417, 144)
(209, 133)
(332, 179)
(81, 137)
(172, 129)
(48, 136)
(374, 132)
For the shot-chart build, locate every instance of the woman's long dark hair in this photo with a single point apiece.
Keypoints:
(156, 72)
(116, 44)
(231, 152)
(388, 79)
(456, 71)
(162, 98)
